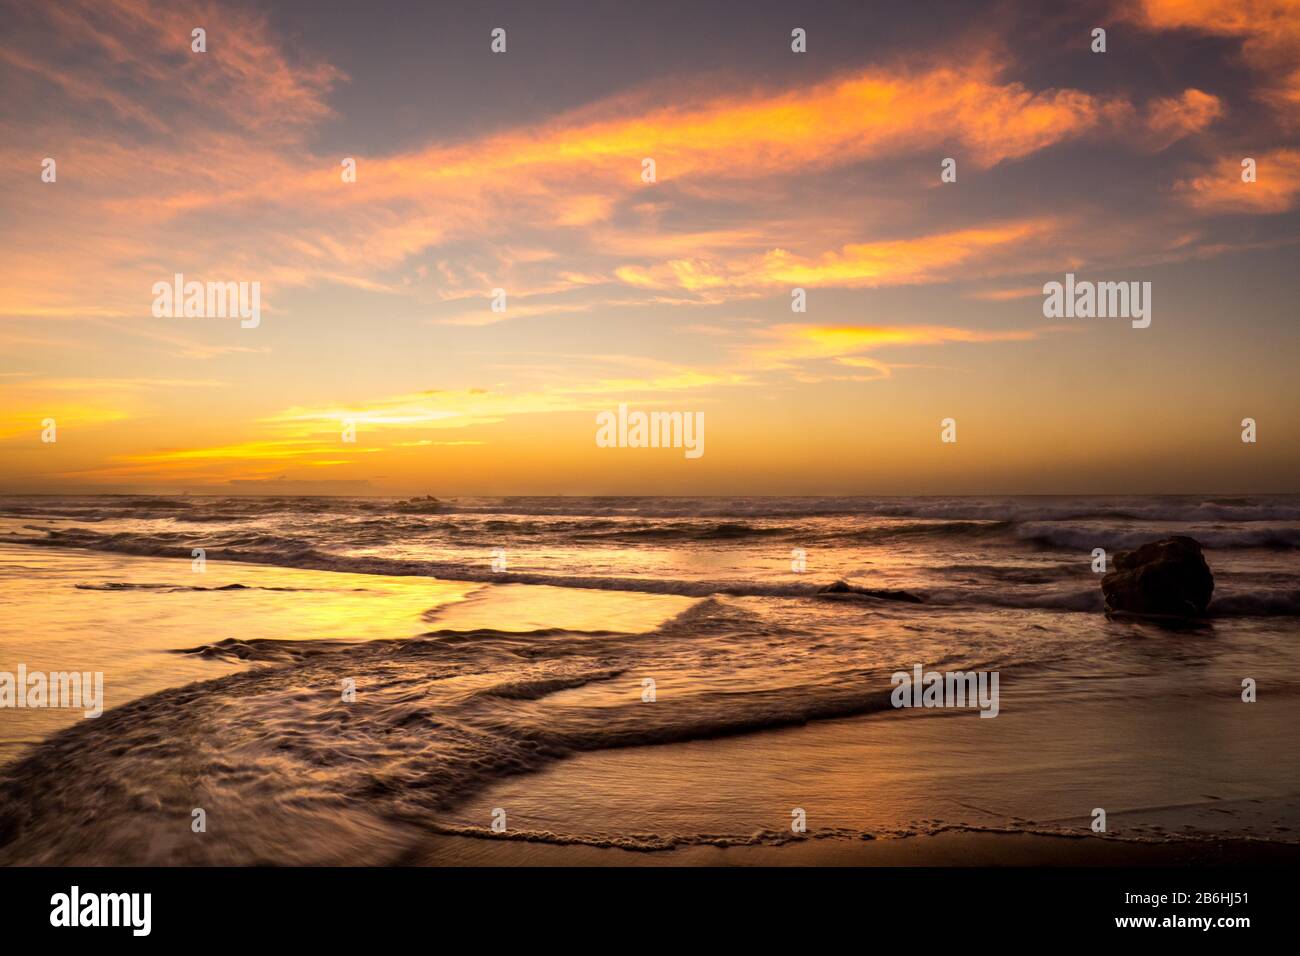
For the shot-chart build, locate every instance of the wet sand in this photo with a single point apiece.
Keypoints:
(529, 700)
(1166, 771)
(942, 849)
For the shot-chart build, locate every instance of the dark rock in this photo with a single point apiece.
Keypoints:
(9, 827)
(1166, 578)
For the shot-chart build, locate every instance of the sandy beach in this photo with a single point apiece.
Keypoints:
(322, 706)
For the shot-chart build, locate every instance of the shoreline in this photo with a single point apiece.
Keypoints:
(950, 849)
(530, 703)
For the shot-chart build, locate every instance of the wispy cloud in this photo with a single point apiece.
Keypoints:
(889, 262)
(1220, 188)
(1269, 31)
(226, 166)
(428, 223)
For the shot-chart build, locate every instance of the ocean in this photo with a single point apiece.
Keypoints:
(380, 680)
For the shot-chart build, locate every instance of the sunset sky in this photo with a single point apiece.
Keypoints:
(523, 171)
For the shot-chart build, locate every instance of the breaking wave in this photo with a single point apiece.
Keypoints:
(274, 755)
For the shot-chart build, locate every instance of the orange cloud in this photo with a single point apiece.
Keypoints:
(1170, 119)
(1269, 31)
(855, 117)
(574, 171)
(1220, 188)
(842, 343)
(244, 78)
(1006, 295)
(889, 262)
(127, 209)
